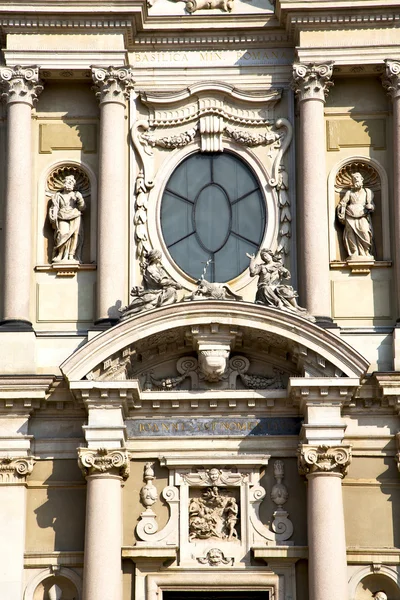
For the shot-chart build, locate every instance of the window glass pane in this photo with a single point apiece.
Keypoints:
(212, 234)
(231, 260)
(233, 175)
(189, 256)
(212, 208)
(176, 217)
(244, 221)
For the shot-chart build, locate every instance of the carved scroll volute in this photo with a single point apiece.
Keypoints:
(145, 151)
(284, 145)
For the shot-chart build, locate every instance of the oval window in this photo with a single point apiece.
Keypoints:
(212, 210)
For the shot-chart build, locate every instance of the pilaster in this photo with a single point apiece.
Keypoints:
(311, 84)
(112, 87)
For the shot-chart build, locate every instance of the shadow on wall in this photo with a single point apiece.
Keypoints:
(374, 583)
(63, 512)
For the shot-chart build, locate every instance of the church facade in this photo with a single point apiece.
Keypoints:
(199, 300)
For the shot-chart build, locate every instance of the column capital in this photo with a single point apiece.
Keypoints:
(391, 78)
(312, 82)
(15, 469)
(20, 84)
(103, 461)
(323, 459)
(112, 84)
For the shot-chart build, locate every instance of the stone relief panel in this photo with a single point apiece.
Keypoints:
(358, 209)
(214, 512)
(67, 226)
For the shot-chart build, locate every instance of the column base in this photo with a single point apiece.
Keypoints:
(325, 322)
(16, 325)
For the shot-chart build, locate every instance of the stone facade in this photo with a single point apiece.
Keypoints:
(199, 300)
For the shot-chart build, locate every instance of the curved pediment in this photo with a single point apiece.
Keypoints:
(280, 339)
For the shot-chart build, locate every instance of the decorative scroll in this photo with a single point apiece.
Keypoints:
(281, 523)
(324, 459)
(15, 470)
(147, 528)
(20, 84)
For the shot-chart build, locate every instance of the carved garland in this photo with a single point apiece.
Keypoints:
(212, 119)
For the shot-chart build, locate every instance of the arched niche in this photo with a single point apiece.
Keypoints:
(50, 183)
(63, 584)
(375, 179)
(364, 583)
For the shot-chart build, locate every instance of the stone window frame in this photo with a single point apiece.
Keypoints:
(270, 238)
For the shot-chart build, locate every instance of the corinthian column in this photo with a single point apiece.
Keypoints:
(311, 84)
(104, 471)
(13, 473)
(20, 89)
(391, 81)
(325, 467)
(112, 87)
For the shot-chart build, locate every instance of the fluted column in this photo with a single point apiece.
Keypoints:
(13, 473)
(112, 87)
(311, 84)
(325, 467)
(391, 81)
(104, 470)
(20, 88)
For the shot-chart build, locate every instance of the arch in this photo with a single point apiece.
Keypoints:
(155, 196)
(365, 571)
(384, 201)
(49, 572)
(235, 314)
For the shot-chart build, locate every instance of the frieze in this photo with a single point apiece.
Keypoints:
(207, 427)
(177, 58)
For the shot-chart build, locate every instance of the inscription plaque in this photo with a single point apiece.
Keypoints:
(211, 427)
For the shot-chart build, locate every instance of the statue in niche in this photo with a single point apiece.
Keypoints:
(354, 212)
(214, 515)
(65, 214)
(158, 289)
(380, 595)
(270, 289)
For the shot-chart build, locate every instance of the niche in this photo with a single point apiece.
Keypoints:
(373, 583)
(343, 184)
(62, 223)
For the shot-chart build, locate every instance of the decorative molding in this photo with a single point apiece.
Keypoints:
(15, 470)
(323, 459)
(215, 557)
(281, 523)
(112, 84)
(20, 84)
(312, 82)
(391, 78)
(103, 461)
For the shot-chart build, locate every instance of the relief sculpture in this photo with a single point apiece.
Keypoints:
(213, 515)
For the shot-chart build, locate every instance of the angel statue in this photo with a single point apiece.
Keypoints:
(158, 289)
(270, 289)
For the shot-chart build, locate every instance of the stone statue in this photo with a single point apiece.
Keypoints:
(380, 595)
(158, 290)
(65, 214)
(270, 289)
(354, 212)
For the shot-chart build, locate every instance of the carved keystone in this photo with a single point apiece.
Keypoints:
(214, 344)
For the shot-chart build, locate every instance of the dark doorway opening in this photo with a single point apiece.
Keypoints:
(216, 595)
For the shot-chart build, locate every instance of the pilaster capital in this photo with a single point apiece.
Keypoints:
(15, 469)
(312, 82)
(20, 84)
(323, 459)
(391, 78)
(112, 84)
(104, 461)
